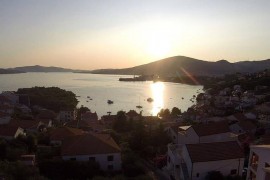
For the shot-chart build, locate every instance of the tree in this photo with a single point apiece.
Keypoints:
(175, 112)
(164, 113)
(120, 123)
(81, 111)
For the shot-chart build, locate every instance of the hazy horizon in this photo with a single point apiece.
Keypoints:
(88, 34)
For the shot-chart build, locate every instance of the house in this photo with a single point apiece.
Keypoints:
(132, 114)
(195, 161)
(67, 115)
(59, 134)
(10, 132)
(93, 147)
(108, 120)
(89, 116)
(202, 133)
(172, 132)
(259, 163)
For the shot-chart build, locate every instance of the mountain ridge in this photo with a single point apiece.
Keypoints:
(181, 65)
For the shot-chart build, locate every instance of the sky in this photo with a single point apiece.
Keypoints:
(95, 34)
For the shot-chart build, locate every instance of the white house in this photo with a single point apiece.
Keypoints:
(195, 161)
(67, 115)
(203, 133)
(259, 163)
(93, 147)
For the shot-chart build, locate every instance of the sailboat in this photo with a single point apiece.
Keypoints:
(139, 106)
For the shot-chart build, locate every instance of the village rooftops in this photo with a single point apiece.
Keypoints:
(89, 143)
(206, 152)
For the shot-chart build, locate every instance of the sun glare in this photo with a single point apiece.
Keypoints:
(156, 40)
(157, 93)
(158, 46)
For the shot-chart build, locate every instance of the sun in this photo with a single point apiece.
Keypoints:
(158, 46)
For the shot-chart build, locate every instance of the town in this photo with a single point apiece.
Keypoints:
(224, 135)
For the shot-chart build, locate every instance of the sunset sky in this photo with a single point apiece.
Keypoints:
(93, 34)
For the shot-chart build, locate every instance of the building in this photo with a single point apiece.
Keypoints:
(67, 115)
(59, 134)
(195, 161)
(259, 163)
(203, 133)
(89, 116)
(93, 147)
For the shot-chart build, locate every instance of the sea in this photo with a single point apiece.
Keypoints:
(94, 91)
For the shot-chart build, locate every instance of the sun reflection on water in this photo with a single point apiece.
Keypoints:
(157, 93)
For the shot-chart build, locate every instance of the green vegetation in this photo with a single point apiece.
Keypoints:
(52, 98)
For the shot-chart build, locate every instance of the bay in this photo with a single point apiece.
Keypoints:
(101, 88)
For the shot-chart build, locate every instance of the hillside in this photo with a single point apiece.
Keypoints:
(181, 65)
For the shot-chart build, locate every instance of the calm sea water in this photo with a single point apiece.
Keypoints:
(125, 95)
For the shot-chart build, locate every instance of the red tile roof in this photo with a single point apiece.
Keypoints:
(90, 143)
(206, 152)
(211, 128)
(7, 130)
(61, 133)
(25, 124)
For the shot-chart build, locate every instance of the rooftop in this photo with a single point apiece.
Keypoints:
(211, 128)
(206, 152)
(90, 143)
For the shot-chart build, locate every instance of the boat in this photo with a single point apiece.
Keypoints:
(150, 100)
(139, 107)
(182, 98)
(110, 102)
(88, 96)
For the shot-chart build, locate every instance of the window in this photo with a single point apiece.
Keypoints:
(110, 167)
(198, 175)
(110, 158)
(233, 171)
(73, 159)
(92, 158)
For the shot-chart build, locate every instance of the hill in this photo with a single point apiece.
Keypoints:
(181, 65)
(38, 68)
(9, 71)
